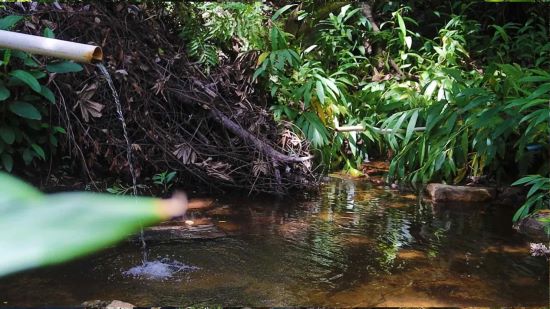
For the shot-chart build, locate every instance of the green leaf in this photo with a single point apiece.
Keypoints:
(7, 135)
(28, 155)
(4, 92)
(402, 26)
(39, 151)
(7, 161)
(25, 110)
(529, 79)
(49, 33)
(27, 78)
(535, 188)
(307, 93)
(9, 21)
(40, 229)
(544, 88)
(281, 11)
(7, 56)
(170, 176)
(47, 93)
(525, 179)
(59, 129)
(313, 128)
(320, 92)
(502, 32)
(64, 67)
(410, 127)
(524, 209)
(331, 85)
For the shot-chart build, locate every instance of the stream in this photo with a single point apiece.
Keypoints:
(350, 245)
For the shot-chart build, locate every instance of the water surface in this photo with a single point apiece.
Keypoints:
(352, 245)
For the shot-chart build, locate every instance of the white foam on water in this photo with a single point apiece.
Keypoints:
(162, 269)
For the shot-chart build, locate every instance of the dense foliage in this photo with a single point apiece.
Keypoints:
(26, 132)
(454, 92)
(448, 91)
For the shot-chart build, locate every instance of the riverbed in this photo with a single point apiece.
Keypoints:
(350, 245)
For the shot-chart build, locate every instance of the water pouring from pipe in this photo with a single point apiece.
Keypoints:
(120, 116)
(158, 269)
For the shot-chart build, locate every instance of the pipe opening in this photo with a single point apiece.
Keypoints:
(97, 55)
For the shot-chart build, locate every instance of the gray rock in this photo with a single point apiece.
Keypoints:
(447, 193)
(115, 304)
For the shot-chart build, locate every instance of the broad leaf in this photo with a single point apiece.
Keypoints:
(27, 78)
(39, 151)
(9, 21)
(49, 33)
(25, 110)
(48, 94)
(4, 92)
(7, 162)
(7, 135)
(64, 67)
(40, 229)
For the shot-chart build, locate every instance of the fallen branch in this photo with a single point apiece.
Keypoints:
(246, 136)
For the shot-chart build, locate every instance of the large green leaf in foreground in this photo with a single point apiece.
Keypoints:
(38, 229)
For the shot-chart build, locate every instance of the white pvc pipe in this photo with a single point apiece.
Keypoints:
(360, 128)
(50, 47)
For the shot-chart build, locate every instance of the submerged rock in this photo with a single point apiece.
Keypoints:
(200, 228)
(447, 193)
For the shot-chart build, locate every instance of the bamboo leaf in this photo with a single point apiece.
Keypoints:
(320, 91)
(402, 26)
(281, 11)
(410, 127)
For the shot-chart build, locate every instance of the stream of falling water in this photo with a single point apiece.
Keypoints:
(120, 114)
(161, 269)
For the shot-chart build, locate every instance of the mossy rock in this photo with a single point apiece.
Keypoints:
(536, 225)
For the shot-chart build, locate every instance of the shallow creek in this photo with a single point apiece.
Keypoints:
(352, 245)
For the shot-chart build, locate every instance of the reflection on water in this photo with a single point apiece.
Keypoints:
(350, 246)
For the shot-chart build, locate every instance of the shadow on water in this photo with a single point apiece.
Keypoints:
(352, 245)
